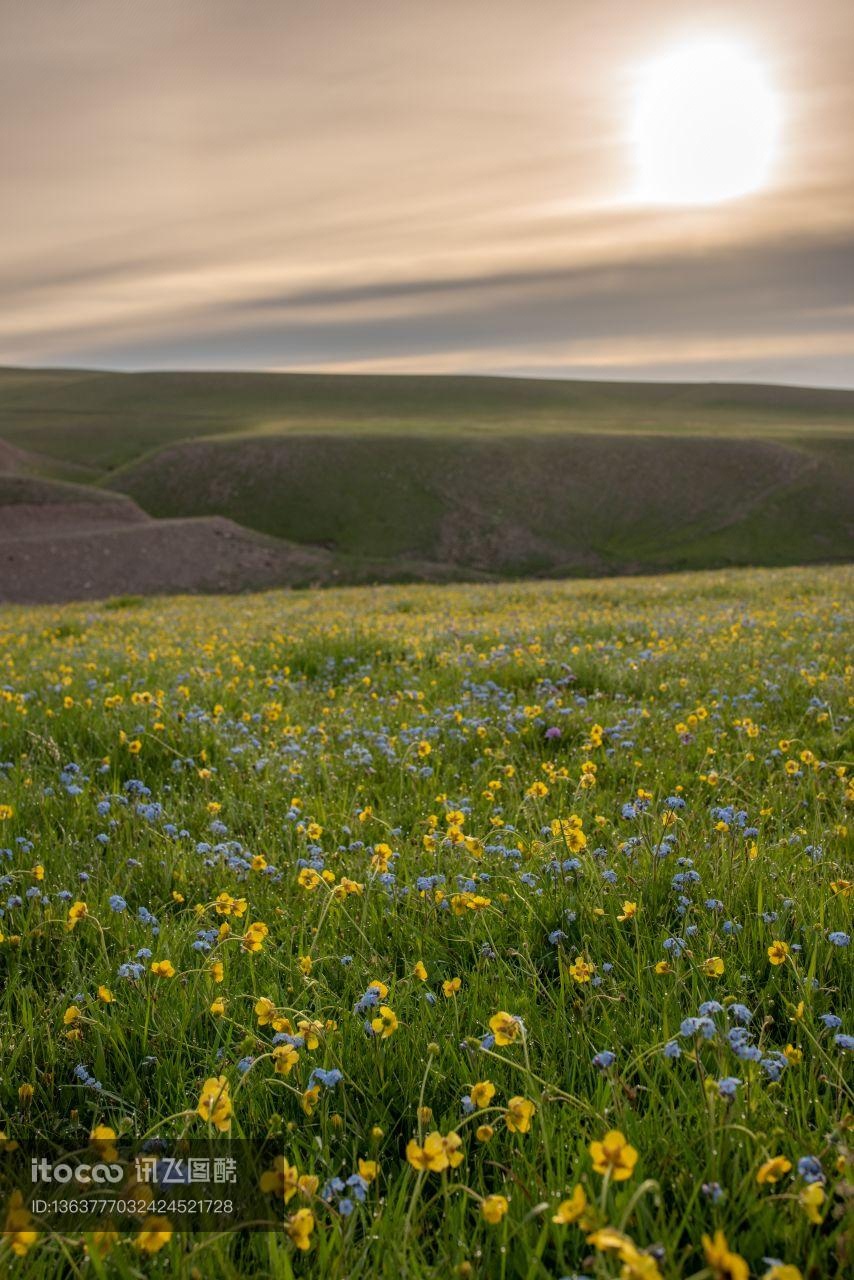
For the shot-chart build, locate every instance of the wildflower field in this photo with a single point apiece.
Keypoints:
(514, 918)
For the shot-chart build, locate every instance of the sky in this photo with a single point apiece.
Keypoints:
(413, 186)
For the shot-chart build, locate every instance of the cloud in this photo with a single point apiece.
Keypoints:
(365, 186)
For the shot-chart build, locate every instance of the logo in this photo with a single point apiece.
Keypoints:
(84, 1175)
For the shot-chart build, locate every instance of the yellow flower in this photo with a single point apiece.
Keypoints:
(368, 1170)
(310, 1032)
(25, 1094)
(482, 1093)
(782, 1271)
(72, 1014)
(6, 812)
(630, 910)
(163, 968)
(308, 1101)
(773, 1170)
(102, 1242)
(432, 1157)
(581, 971)
(713, 967)
(103, 1139)
(518, 1115)
(282, 1180)
(614, 1155)
(777, 952)
(215, 1103)
(105, 995)
(305, 965)
(253, 938)
(18, 1231)
(636, 1265)
(505, 1027)
(608, 1238)
(385, 1023)
(76, 912)
(285, 1058)
(217, 1007)
(794, 1055)
(663, 966)
(154, 1233)
(420, 972)
(450, 987)
(300, 1227)
(724, 1264)
(484, 1132)
(217, 971)
(493, 1209)
(453, 1149)
(569, 1211)
(811, 1199)
(265, 1011)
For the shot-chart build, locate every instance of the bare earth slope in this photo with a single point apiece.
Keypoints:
(65, 542)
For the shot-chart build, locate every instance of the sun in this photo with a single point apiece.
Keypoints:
(706, 125)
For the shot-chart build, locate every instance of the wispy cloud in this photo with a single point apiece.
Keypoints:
(407, 186)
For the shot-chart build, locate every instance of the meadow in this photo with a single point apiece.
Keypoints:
(515, 916)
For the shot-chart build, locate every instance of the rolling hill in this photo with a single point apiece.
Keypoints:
(347, 478)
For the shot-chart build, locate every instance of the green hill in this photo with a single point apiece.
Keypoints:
(481, 476)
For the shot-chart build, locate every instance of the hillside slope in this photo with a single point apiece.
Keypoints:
(515, 505)
(286, 478)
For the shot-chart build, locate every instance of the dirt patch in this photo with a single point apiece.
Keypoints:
(39, 520)
(154, 557)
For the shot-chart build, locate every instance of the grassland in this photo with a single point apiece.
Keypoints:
(106, 420)
(477, 477)
(584, 844)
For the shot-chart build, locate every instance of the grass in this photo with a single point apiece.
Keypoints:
(393, 744)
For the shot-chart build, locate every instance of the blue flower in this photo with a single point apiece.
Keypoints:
(728, 1085)
(329, 1079)
(809, 1168)
(604, 1059)
(697, 1026)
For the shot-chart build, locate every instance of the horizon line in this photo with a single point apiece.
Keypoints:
(155, 370)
